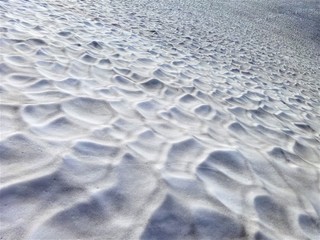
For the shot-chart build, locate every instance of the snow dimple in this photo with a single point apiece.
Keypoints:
(90, 149)
(88, 109)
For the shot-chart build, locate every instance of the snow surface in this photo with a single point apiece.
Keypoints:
(159, 119)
